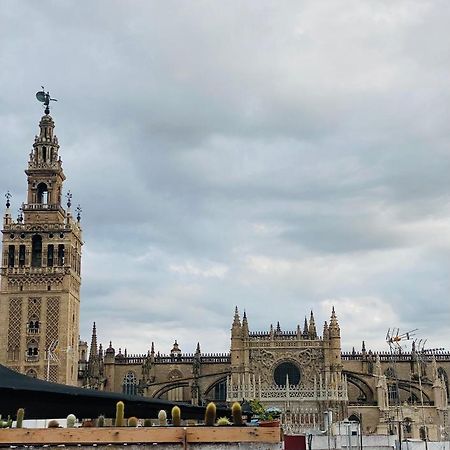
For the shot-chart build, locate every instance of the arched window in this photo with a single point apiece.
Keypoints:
(21, 255)
(175, 394)
(42, 193)
(129, 384)
(31, 373)
(393, 392)
(61, 254)
(220, 391)
(11, 255)
(390, 373)
(33, 325)
(36, 251)
(32, 350)
(286, 371)
(50, 254)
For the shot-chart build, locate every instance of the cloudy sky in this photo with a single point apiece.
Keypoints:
(277, 156)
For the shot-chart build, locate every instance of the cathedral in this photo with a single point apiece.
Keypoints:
(303, 372)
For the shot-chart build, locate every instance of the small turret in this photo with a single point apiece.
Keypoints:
(326, 334)
(335, 343)
(278, 331)
(176, 351)
(93, 351)
(245, 325)
(305, 328)
(335, 331)
(312, 327)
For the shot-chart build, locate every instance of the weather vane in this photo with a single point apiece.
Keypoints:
(45, 98)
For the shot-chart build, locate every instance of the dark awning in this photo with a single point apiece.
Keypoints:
(42, 399)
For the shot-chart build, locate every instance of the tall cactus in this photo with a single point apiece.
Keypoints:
(20, 416)
(162, 417)
(210, 414)
(120, 414)
(176, 416)
(71, 419)
(236, 411)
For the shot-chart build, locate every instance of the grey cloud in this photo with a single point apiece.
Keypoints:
(313, 136)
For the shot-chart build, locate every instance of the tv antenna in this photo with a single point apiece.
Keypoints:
(45, 98)
(394, 337)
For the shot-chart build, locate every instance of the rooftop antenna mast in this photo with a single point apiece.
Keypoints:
(395, 339)
(45, 98)
(51, 356)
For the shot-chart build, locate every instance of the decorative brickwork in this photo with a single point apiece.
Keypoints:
(53, 374)
(14, 324)
(52, 330)
(34, 308)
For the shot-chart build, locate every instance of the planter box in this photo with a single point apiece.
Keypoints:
(160, 435)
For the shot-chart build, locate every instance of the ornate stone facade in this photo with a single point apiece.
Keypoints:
(298, 371)
(40, 272)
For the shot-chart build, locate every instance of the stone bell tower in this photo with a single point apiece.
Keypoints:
(40, 271)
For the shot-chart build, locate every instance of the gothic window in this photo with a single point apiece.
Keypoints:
(220, 391)
(36, 251)
(390, 373)
(42, 193)
(393, 392)
(286, 371)
(11, 255)
(61, 254)
(21, 255)
(175, 394)
(44, 153)
(32, 350)
(33, 325)
(50, 251)
(129, 384)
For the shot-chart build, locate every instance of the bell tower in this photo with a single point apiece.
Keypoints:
(40, 271)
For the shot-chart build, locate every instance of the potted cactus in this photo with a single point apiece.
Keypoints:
(267, 417)
(210, 414)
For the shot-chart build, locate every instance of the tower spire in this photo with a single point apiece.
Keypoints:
(236, 320)
(312, 327)
(305, 328)
(94, 349)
